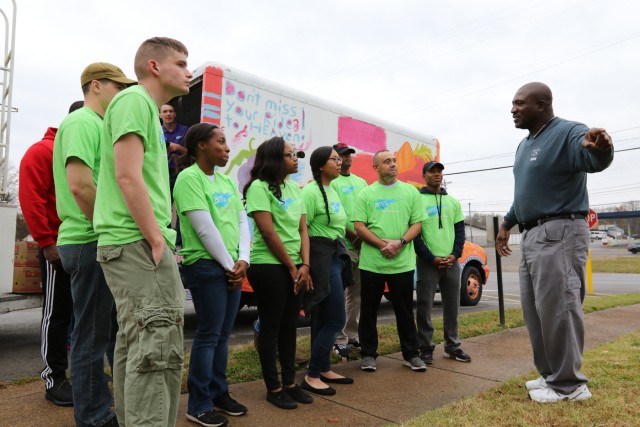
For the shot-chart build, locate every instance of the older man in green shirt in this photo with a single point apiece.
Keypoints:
(388, 217)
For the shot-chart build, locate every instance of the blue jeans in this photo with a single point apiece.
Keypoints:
(93, 310)
(327, 320)
(216, 308)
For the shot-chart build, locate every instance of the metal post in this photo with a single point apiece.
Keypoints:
(470, 224)
(498, 273)
(6, 97)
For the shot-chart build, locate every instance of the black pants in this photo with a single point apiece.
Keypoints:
(278, 309)
(401, 293)
(57, 311)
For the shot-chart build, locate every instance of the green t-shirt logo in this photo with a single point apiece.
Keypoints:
(382, 204)
(284, 205)
(221, 200)
(431, 210)
(335, 207)
(348, 190)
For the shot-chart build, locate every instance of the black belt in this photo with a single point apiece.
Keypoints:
(535, 223)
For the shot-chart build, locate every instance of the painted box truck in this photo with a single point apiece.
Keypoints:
(251, 110)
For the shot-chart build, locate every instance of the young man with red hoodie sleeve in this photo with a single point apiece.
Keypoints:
(38, 203)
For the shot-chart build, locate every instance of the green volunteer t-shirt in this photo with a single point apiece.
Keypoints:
(388, 211)
(132, 111)
(348, 188)
(219, 196)
(440, 240)
(317, 220)
(286, 219)
(78, 136)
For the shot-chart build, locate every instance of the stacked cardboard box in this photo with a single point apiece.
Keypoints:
(26, 269)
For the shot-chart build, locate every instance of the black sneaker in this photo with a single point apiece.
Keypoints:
(427, 356)
(458, 355)
(298, 395)
(208, 419)
(228, 405)
(281, 399)
(60, 394)
(341, 350)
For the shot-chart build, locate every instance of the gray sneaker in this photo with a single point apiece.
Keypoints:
(416, 364)
(368, 363)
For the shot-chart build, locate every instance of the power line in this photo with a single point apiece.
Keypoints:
(397, 53)
(507, 167)
(571, 58)
(511, 153)
(480, 170)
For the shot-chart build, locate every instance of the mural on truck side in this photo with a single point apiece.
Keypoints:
(250, 115)
(367, 139)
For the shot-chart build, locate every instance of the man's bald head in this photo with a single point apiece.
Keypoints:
(537, 91)
(532, 107)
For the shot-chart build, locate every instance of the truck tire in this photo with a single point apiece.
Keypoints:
(470, 286)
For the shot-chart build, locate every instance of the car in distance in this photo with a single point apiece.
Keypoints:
(634, 248)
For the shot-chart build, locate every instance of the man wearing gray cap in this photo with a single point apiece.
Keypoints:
(438, 248)
(348, 185)
(76, 165)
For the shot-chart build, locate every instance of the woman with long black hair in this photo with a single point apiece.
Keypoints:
(215, 236)
(279, 272)
(330, 262)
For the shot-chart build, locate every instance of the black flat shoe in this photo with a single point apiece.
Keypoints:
(344, 380)
(329, 391)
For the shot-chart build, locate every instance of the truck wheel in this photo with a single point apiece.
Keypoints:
(634, 251)
(470, 286)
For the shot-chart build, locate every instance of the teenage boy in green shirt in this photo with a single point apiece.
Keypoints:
(348, 186)
(76, 165)
(132, 217)
(438, 248)
(388, 217)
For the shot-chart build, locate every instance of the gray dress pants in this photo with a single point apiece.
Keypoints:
(552, 283)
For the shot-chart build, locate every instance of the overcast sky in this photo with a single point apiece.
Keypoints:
(443, 68)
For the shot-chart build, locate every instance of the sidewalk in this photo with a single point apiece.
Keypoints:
(392, 394)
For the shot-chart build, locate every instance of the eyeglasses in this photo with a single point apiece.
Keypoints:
(292, 155)
(337, 160)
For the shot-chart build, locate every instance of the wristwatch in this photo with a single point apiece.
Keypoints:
(403, 242)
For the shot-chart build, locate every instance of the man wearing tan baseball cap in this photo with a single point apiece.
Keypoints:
(102, 71)
(76, 166)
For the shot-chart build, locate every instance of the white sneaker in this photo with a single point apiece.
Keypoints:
(549, 395)
(536, 384)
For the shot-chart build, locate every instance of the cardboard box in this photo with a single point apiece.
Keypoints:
(26, 254)
(27, 280)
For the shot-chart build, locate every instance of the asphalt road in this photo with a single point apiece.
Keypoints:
(20, 339)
